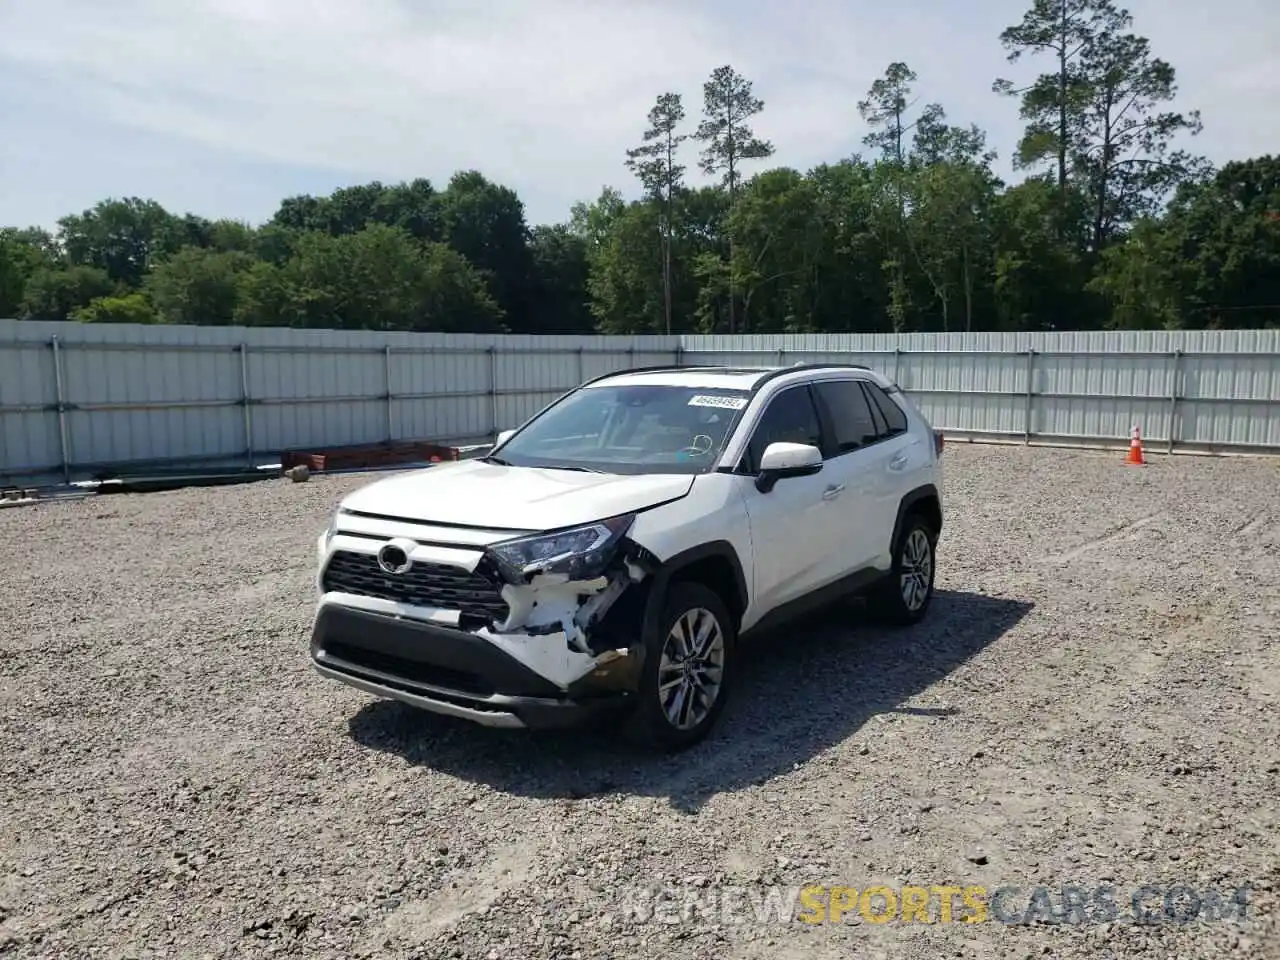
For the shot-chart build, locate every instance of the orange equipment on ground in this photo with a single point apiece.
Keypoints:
(1136, 457)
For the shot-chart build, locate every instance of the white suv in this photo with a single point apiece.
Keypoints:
(606, 556)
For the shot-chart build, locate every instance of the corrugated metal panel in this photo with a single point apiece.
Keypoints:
(153, 381)
(29, 433)
(1217, 423)
(444, 394)
(1213, 412)
(1084, 341)
(968, 382)
(1245, 378)
(177, 393)
(1101, 418)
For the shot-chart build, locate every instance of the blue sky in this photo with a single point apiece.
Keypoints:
(223, 107)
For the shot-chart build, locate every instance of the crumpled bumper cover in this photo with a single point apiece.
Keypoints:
(456, 672)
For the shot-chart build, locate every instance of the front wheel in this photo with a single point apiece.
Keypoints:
(686, 669)
(904, 596)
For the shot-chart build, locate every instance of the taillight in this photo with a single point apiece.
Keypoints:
(938, 442)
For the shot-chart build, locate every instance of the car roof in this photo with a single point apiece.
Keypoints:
(711, 377)
(724, 378)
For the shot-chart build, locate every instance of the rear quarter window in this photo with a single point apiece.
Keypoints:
(894, 418)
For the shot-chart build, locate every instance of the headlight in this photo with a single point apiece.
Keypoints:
(581, 553)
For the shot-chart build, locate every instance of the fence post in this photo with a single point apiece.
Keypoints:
(1031, 380)
(386, 376)
(679, 354)
(1173, 397)
(493, 390)
(60, 393)
(246, 400)
(782, 356)
(582, 365)
(897, 353)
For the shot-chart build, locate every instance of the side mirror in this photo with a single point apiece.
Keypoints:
(783, 460)
(503, 437)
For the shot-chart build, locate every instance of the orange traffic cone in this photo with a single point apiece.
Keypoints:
(1136, 457)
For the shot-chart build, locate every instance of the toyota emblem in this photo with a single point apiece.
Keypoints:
(393, 558)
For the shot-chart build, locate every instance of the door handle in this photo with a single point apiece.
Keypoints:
(898, 462)
(833, 491)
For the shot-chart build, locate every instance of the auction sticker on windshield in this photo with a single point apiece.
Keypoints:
(724, 403)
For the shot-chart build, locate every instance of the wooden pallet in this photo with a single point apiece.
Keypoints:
(368, 455)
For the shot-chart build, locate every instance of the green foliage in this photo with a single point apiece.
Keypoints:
(198, 285)
(884, 111)
(53, 293)
(22, 254)
(654, 162)
(1115, 225)
(377, 278)
(625, 281)
(128, 308)
(561, 271)
(485, 223)
(13, 278)
(1214, 260)
(1097, 114)
(775, 251)
(1037, 279)
(123, 238)
(728, 103)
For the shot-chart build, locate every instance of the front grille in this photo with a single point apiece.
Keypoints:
(426, 584)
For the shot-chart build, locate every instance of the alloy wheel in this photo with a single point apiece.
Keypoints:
(916, 569)
(691, 668)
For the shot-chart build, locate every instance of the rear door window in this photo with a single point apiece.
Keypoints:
(852, 422)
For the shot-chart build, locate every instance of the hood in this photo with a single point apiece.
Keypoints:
(474, 493)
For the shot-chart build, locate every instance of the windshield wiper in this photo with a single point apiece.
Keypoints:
(505, 463)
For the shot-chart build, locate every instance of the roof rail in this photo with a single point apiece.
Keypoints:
(828, 366)
(767, 373)
(659, 368)
(801, 367)
(672, 368)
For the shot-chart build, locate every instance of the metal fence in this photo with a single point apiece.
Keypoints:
(78, 398)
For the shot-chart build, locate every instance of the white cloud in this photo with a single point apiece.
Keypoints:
(544, 95)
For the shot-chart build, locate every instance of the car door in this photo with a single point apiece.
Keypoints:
(856, 460)
(791, 525)
(902, 453)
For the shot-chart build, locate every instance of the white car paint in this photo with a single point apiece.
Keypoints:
(806, 533)
(474, 493)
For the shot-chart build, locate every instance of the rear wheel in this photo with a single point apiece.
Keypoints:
(904, 596)
(687, 666)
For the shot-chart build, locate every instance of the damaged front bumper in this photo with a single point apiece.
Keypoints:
(460, 673)
(567, 650)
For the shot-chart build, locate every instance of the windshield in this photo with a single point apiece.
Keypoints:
(629, 429)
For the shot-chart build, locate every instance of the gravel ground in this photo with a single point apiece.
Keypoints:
(1094, 701)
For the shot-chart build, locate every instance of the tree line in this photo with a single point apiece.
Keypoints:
(1113, 225)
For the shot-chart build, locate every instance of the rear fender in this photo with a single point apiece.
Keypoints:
(921, 494)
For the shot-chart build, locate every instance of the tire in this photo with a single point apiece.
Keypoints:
(653, 723)
(904, 596)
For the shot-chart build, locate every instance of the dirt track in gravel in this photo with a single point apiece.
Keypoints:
(1094, 701)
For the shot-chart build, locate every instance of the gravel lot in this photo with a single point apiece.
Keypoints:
(1095, 700)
